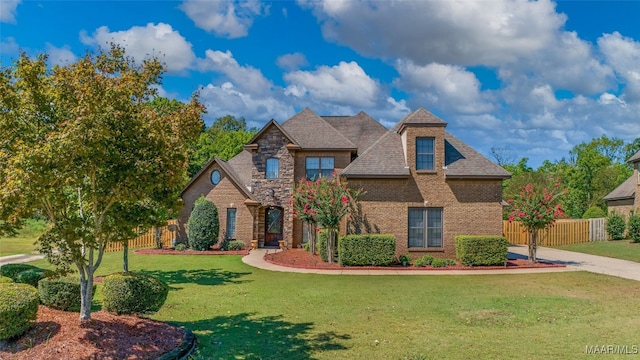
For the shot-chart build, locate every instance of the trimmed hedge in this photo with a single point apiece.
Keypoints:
(12, 270)
(133, 293)
(423, 261)
(235, 245)
(366, 249)
(594, 212)
(61, 293)
(481, 249)
(31, 277)
(323, 237)
(18, 308)
(633, 227)
(203, 226)
(4, 280)
(615, 226)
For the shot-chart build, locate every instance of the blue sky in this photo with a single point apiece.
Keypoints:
(531, 78)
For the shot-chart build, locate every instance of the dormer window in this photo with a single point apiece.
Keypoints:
(425, 150)
(273, 166)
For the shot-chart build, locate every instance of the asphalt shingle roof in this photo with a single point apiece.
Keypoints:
(384, 158)
(626, 190)
(634, 158)
(310, 131)
(360, 129)
(462, 161)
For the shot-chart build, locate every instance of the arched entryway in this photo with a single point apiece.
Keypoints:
(273, 225)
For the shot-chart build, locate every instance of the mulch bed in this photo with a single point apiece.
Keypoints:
(171, 251)
(299, 258)
(59, 335)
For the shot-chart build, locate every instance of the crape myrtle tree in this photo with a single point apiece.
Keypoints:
(81, 143)
(302, 202)
(324, 201)
(536, 209)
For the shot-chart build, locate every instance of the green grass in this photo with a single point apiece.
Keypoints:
(619, 249)
(23, 242)
(239, 312)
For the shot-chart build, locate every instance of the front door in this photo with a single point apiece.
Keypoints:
(273, 226)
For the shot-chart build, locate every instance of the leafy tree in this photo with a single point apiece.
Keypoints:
(302, 202)
(594, 212)
(204, 225)
(535, 210)
(80, 144)
(225, 139)
(632, 148)
(633, 227)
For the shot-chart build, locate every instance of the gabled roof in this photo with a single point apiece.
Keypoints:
(271, 123)
(462, 161)
(635, 158)
(236, 179)
(385, 158)
(420, 117)
(312, 132)
(626, 190)
(360, 129)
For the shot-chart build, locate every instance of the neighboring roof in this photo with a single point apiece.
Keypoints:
(420, 117)
(626, 190)
(236, 178)
(634, 158)
(310, 131)
(360, 129)
(462, 161)
(384, 158)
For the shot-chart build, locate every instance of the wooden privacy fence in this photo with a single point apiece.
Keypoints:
(147, 239)
(563, 232)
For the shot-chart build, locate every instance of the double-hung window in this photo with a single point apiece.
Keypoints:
(231, 223)
(425, 153)
(317, 167)
(273, 166)
(425, 227)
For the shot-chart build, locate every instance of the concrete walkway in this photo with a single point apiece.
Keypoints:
(256, 259)
(579, 261)
(18, 259)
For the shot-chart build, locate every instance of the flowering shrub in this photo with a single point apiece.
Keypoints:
(536, 210)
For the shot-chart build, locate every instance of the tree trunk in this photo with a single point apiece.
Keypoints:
(330, 240)
(86, 293)
(533, 246)
(158, 235)
(311, 236)
(125, 256)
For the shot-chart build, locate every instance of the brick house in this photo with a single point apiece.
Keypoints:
(421, 183)
(626, 196)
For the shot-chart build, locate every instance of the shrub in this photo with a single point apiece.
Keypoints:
(181, 247)
(438, 263)
(367, 249)
(133, 293)
(235, 245)
(61, 293)
(12, 270)
(204, 226)
(307, 247)
(18, 307)
(615, 226)
(594, 212)
(404, 260)
(322, 244)
(481, 249)
(633, 227)
(4, 280)
(32, 276)
(423, 261)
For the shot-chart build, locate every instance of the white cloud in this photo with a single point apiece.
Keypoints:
(292, 61)
(9, 46)
(445, 86)
(141, 42)
(60, 56)
(8, 10)
(230, 19)
(623, 54)
(246, 78)
(342, 84)
(448, 32)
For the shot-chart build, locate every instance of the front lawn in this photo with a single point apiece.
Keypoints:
(619, 249)
(23, 242)
(239, 312)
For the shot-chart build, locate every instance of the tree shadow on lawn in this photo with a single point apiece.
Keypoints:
(270, 337)
(200, 277)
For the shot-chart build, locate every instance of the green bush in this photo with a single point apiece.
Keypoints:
(481, 249)
(133, 293)
(31, 277)
(438, 263)
(423, 261)
(204, 226)
(181, 247)
(12, 270)
(404, 260)
(235, 245)
(594, 212)
(4, 280)
(323, 236)
(18, 308)
(60, 293)
(366, 249)
(615, 226)
(633, 227)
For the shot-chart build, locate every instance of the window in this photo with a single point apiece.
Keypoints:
(272, 168)
(319, 167)
(231, 223)
(425, 227)
(215, 177)
(424, 153)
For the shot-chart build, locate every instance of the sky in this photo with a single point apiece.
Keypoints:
(531, 79)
